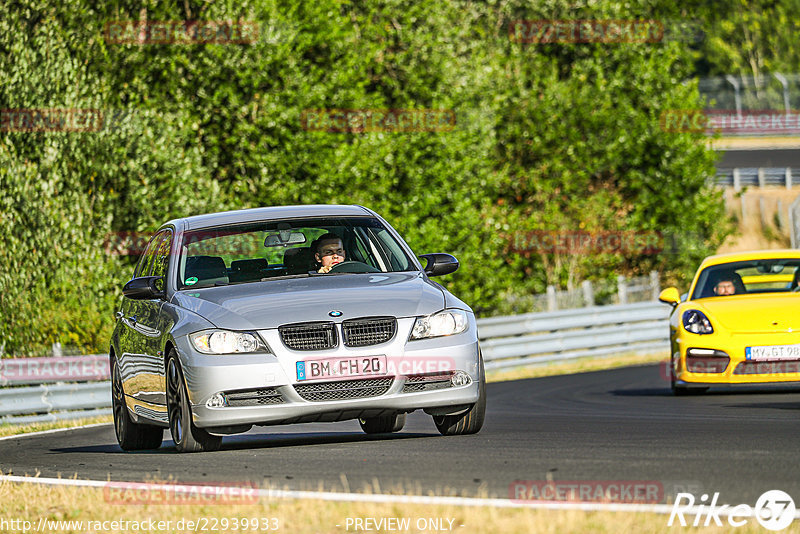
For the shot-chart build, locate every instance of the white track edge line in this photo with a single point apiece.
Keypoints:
(51, 431)
(375, 498)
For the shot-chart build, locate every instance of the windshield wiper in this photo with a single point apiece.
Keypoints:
(284, 277)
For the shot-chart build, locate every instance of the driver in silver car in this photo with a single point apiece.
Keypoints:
(329, 252)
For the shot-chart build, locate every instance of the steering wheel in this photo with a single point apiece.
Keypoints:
(352, 266)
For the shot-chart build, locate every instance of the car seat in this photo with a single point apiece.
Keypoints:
(208, 270)
(248, 270)
(298, 260)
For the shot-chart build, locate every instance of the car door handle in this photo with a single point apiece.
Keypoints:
(118, 315)
(132, 319)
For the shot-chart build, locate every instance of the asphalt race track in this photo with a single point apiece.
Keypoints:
(611, 425)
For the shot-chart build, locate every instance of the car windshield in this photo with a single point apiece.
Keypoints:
(266, 250)
(779, 275)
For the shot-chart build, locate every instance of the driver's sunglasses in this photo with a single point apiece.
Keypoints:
(337, 252)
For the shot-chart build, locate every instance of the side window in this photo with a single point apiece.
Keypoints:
(145, 264)
(161, 256)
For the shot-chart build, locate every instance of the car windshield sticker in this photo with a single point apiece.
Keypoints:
(192, 280)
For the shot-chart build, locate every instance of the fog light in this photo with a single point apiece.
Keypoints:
(460, 378)
(217, 400)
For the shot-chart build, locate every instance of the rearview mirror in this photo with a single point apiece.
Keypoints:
(284, 238)
(439, 264)
(145, 288)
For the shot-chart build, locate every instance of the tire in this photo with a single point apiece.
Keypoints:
(130, 436)
(469, 422)
(187, 437)
(682, 391)
(384, 424)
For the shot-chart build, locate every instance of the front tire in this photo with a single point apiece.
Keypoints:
(187, 437)
(130, 436)
(682, 391)
(469, 422)
(384, 424)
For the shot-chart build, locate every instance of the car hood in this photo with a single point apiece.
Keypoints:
(269, 304)
(766, 312)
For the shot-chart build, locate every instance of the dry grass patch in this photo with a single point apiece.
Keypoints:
(29, 502)
(7, 429)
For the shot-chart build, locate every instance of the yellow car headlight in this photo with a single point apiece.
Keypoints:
(696, 322)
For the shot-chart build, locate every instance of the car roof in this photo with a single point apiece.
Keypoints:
(267, 213)
(719, 259)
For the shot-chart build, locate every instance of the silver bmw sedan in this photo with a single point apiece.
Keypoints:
(289, 314)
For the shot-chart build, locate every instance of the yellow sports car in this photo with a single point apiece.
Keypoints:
(739, 323)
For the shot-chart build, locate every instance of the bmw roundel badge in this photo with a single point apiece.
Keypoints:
(335, 313)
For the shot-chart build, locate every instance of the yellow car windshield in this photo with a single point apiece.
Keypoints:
(779, 275)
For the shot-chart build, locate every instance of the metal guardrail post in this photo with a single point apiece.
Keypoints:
(655, 284)
(737, 180)
(736, 95)
(785, 83)
(588, 293)
(552, 303)
(788, 177)
(622, 290)
(794, 222)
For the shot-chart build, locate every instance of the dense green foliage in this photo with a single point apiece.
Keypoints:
(548, 137)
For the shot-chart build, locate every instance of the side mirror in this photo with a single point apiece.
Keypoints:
(670, 296)
(145, 288)
(439, 264)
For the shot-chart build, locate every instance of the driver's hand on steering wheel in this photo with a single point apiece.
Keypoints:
(326, 268)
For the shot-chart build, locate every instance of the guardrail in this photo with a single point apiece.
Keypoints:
(755, 176)
(507, 342)
(528, 339)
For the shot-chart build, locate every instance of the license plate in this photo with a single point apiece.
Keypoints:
(341, 367)
(773, 352)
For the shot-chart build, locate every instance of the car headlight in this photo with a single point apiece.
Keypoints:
(227, 342)
(696, 322)
(443, 323)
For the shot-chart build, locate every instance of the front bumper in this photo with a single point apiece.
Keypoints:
(209, 375)
(690, 368)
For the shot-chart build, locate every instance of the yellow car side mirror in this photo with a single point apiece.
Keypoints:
(670, 296)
